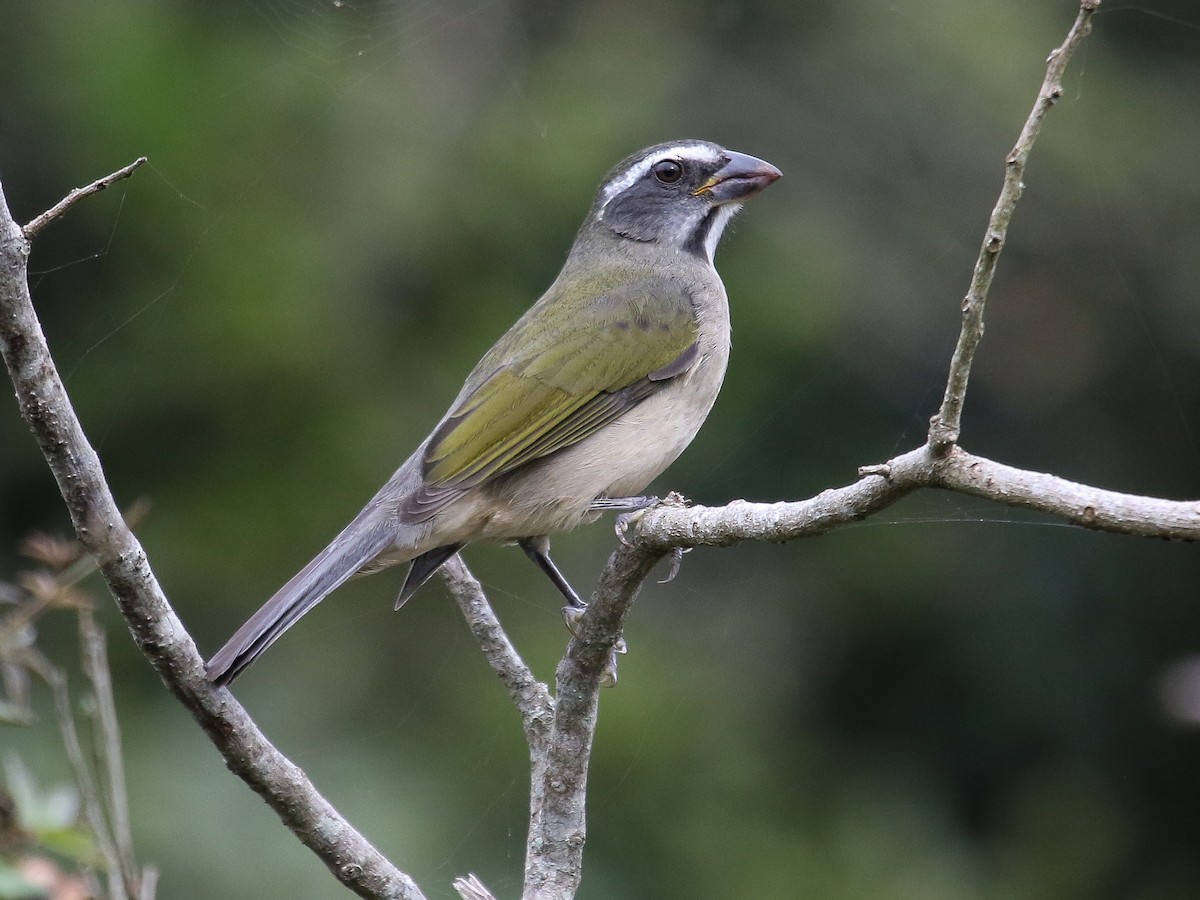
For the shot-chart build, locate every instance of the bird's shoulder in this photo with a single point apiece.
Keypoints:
(577, 359)
(614, 326)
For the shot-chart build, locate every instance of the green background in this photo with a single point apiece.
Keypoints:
(347, 203)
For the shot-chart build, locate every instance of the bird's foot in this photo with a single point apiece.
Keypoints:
(623, 521)
(608, 675)
(676, 562)
(629, 507)
(635, 508)
(573, 615)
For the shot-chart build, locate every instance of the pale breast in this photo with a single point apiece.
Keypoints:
(620, 460)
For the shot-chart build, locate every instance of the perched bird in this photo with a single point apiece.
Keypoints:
(595, 390)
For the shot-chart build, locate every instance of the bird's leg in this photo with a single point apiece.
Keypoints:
(538, 549)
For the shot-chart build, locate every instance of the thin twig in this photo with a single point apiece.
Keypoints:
(945, 425)
(33, 228)
(108, 747)
(89, 791)
(530, 696)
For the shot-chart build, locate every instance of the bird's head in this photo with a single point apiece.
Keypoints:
(679, 195)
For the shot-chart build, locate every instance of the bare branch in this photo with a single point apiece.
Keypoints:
(665, 527)
(559, 755)
(530, 696)
(945, 425)
(1079, 504)
(155, 627)
(32, 229)
(558, 829)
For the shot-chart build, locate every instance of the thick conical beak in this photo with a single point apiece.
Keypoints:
(739, 179)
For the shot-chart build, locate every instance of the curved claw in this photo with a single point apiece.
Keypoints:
(608, 675)
(621, 525)
(572, 615)
(676, 562)
(633, 508)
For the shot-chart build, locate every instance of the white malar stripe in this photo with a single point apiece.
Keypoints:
(724, 214)
(702, 152)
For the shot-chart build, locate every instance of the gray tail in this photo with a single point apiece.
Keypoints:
(350, 551)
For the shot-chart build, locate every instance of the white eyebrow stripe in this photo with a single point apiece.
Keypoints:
(625, 181)
(701, 152)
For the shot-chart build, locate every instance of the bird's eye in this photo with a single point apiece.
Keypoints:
(667, 171)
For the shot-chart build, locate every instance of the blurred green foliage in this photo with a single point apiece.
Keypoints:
(43, 820)
(347, 202)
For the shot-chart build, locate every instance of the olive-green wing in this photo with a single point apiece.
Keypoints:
(566, 369)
